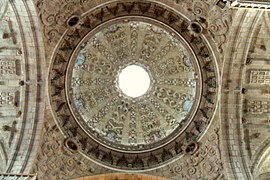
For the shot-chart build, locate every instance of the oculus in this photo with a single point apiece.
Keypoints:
(134, 81)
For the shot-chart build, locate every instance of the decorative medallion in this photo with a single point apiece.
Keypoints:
(108, 101)
(132, 85)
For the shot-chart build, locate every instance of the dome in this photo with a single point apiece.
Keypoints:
(156, 54)
(133, 88)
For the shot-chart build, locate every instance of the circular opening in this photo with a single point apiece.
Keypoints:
(191, 147)
(134, 81)
(195, 27)
(73, 21)
(72, 145)
(21, 83)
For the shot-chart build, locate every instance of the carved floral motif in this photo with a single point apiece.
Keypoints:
(257, 106)
(54, 15)
(145, 50)
(216, 16)
(206, 162)
(95, 82)
(7, 67)
(217, 20)
(55, 161)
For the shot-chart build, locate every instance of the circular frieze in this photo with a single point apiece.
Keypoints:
(92, 73)
(107, 100)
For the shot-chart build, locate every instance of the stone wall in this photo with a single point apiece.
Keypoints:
(22, 82)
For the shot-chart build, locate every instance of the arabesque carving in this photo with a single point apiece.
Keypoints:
(95, 82)
(56, 161)
(117, 155)
(54, 15)
(206, 162)
(216, 19)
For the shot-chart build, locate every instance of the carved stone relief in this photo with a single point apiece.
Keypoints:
(252, 4)
(95, 80)
(216, 17)
(63, 21)
(20, 63)
(9, 36)
(56, 21)
(162, 103)
(8, 67)
(256, 111)
(7, 98)
(56, 161)
(205, 162)
(8, 73)
(259, 76)
(258, 106)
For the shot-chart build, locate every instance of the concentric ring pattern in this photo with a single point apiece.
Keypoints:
(114, 129)
(115, 117)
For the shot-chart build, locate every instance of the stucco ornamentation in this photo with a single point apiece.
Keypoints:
(206, 162)
(216, 19)
(147, 155)
(119, 118)
(55, 160)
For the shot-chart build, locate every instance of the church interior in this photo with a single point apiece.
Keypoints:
(135, 89)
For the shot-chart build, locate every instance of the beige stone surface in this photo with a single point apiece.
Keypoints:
(121, 177)
(224, 136)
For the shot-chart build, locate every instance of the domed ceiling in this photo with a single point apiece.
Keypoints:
(170, 88)
(122, 120)
(89, 102)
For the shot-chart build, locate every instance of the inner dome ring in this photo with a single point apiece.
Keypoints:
(152, 144)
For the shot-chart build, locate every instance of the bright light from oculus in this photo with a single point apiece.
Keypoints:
(134, 81)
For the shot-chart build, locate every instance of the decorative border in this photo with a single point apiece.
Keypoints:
(251, 4)
(184, 123)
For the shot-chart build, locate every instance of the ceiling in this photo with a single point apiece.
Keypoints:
(64, 115)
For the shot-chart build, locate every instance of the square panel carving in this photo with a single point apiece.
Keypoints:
(259, 76)
(258, 106)
(256, 4)
(8, 67)
(7, 98)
